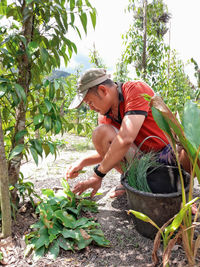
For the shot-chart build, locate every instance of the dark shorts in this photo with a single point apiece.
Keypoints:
(167, 156)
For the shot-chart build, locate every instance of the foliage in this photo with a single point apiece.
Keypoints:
(157, 18)
(197, 75)
(173, 84)
(34, 38)
(164, 71)
(25, 190)
(95, 58)
(81, 120)
(167, 232)
(121, 73)
(61, 224)
(186, 134)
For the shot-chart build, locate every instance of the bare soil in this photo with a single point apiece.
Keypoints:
(128, 247)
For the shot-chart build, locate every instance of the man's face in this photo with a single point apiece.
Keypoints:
(96, 102)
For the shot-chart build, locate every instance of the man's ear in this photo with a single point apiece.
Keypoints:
(102, 90)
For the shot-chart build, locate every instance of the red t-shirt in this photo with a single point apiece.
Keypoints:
(132, 102)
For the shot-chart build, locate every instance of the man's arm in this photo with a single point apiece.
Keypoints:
(130, 127)
(128, 132)
(73, 170)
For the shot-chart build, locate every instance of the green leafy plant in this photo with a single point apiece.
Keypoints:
(61, 224)
(26, 190)
(186, 135)
(167, 232)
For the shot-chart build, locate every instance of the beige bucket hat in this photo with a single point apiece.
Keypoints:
(89, 79)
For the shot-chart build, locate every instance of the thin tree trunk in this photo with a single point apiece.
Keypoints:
(24, 78)
(169, 53)
(4, 190)
(144, 39)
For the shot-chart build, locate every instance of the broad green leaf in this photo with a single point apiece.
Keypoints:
(83, 18)
(162, 123)
(51, 148)
(83, 243)
(16, 151)
(51, 91)
(66, 219)
(44, 55)
(54, 250)
(46, 149)
(20, 135)
(48, 104)
(101, 241)
(47, 123)
(38, 224)
(38, 119)
(20, 92)
(81, 222)
(65, 244)
(179, 217)
(32, 47)
(57, 126)
(191, 119)
(48, 192)
(39, 253)
(74, 234)
(55, 229)
(93, 18)
(38, 146)
(96, 231)
(43, 238)
(34, 154)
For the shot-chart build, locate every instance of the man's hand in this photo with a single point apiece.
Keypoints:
(93, 182)
(73, 171)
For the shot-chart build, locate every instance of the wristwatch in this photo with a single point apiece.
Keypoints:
(98, 173)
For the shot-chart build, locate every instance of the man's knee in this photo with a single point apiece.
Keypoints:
(102, 137)
(102, 132)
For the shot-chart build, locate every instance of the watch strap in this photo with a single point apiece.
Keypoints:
(98, 173)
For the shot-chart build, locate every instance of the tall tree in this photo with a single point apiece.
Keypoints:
(4, 190)
(30, 48)
(144, 46)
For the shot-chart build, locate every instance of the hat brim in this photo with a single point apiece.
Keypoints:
(78, 99)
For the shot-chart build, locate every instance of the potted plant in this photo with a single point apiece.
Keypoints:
(153, 189)
(182, 224)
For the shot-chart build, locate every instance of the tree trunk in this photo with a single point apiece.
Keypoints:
(144, 63)
(4, 190)
(24, 78)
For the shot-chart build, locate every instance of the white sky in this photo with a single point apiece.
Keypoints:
(112, 22)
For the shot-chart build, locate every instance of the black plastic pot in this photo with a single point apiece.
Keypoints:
(160, 207)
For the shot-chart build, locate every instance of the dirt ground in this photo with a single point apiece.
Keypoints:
(128, 247)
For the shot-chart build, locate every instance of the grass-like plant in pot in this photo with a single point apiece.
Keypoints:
(183, 224)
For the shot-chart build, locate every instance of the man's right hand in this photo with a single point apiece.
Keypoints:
(73, 171)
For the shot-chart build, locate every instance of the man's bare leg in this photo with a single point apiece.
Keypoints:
(102, 138)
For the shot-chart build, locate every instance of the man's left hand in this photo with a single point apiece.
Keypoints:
(93, 182)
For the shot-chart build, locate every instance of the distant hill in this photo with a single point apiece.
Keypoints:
(58, 73)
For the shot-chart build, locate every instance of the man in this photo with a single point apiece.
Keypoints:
(125, 121)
